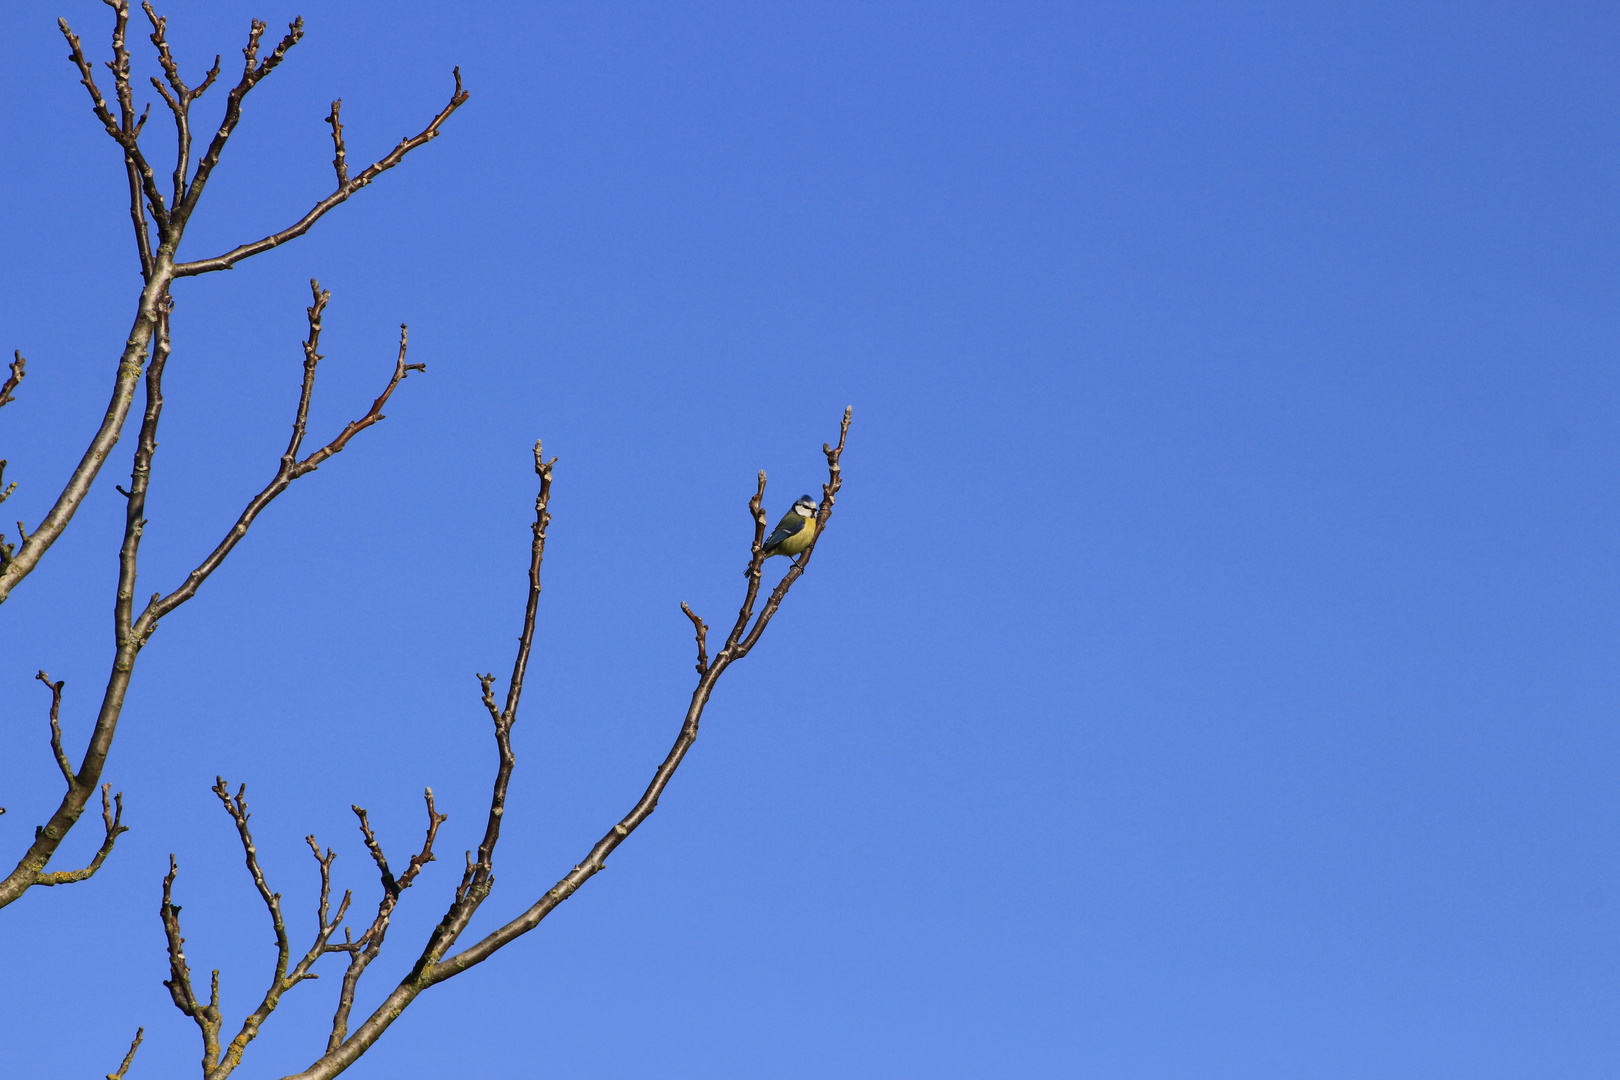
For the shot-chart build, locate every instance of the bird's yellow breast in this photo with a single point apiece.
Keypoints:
(798, 541)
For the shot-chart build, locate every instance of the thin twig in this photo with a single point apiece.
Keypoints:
(756, 564)
(346, 186)
(283, 979)
(180, 101)
(149, 335)
(253, 70)
(290, 469)
(179, 980)
(479, 877)
(829, 494)
(113, 821)
(157, 266)
(340, 160)
(125, 131)
(129, 1058)
(7, 395)
(62, 761)
(364, 950)
(702, 630)
(18, 363)
(434, 966)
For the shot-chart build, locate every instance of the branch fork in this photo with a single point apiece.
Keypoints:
(133, 631)
(438, 959)
(159, 221)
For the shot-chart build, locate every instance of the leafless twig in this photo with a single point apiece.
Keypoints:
(347, 186)
(340, 159)
(62, 761)
(150, 211)
(180, 100)
(179, 980)
(434, 965)
(219, 1063)
(158, 265)
(366, 949)
(701, 629)
(6, 395)
(437, 962)
(112, 819)
(291, 468)
(129, 1057)
(131, 631)
(18, 363)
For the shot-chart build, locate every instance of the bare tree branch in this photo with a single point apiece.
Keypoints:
(252, 71)
(62, 761)
(158, 267)
(437, 962)
(7, 391)
(18, 363)
(179, 980)
(291, 467)
(340, 159)
(434, 965)
(131, 633)
(829, 491)
(346, 186)
(701, 629)
(129, 1057)
(180, 101)
(113, 820)
(157, 274)
(125, 131)
(363, 951)
(218, 1064)
(282, 980)
(149, 337)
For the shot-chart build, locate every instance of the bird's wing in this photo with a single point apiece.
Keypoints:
(785, 528)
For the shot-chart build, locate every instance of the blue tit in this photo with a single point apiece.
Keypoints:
(795, 531)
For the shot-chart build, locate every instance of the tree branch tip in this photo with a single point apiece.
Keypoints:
(129, 1057)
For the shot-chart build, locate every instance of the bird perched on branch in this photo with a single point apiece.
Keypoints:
(795, 531)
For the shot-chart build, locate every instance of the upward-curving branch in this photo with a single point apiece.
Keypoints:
(160, 219)
(131, 631)
(438, 961)
(151, 212)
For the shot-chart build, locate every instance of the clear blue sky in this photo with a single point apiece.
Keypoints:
(1210, 671)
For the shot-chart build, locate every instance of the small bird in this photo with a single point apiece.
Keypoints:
(795, 531)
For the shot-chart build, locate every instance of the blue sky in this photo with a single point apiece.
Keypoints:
(1209, 672)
